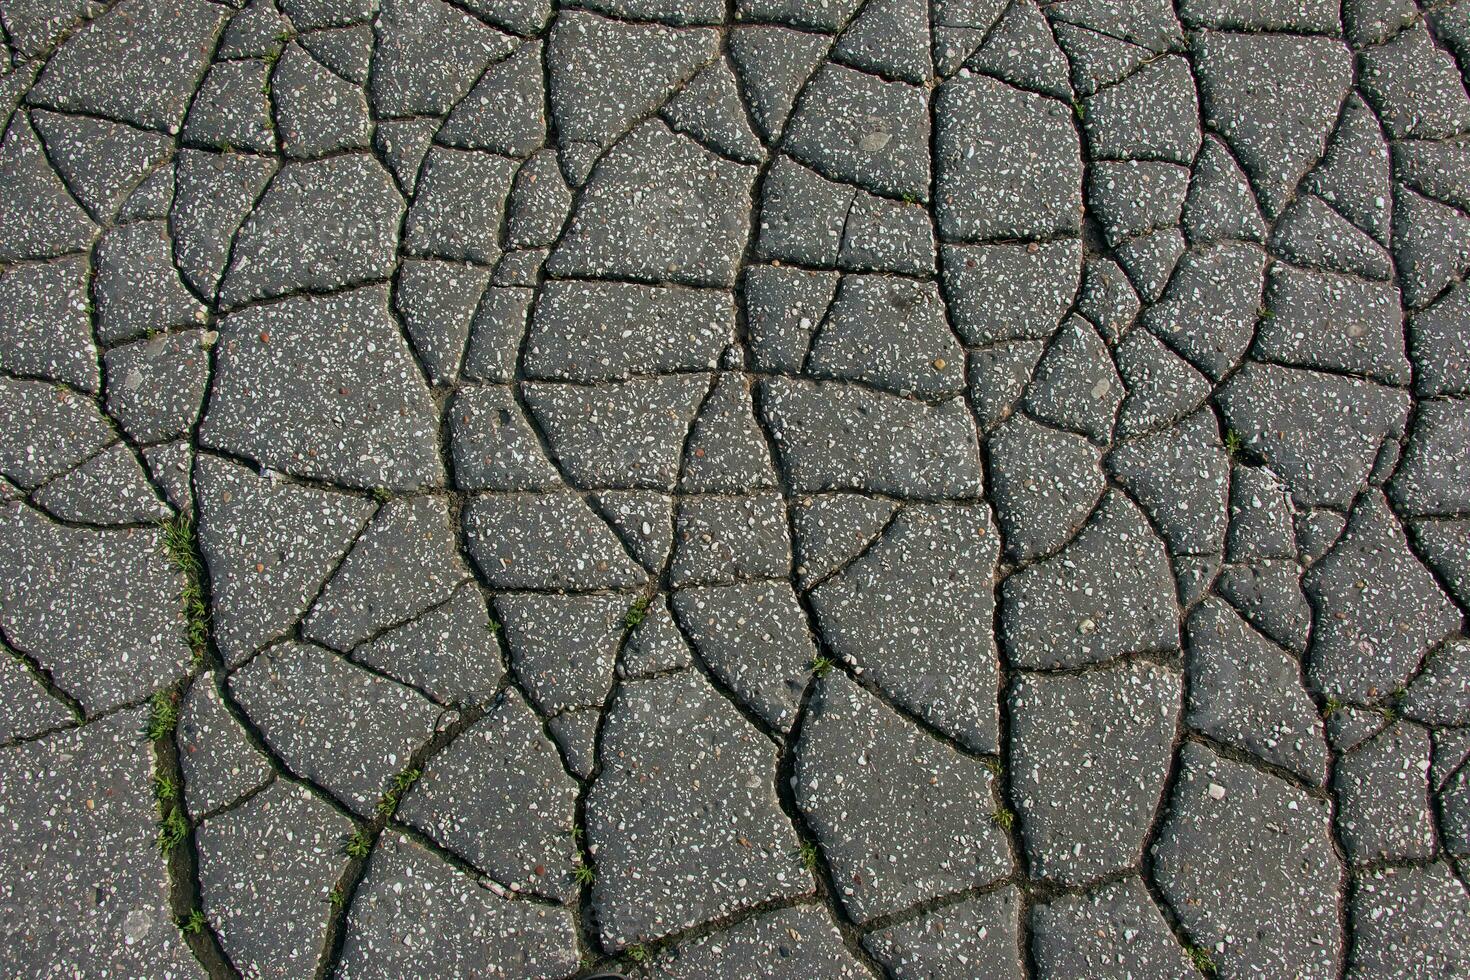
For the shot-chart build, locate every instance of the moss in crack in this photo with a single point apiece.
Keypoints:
(637, 611)
(181, 544)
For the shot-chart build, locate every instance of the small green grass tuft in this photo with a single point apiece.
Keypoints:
(165, 790)
(1233, 442)
(639, 953)
(1079, 109)
(822, 666)
(1202, 960)
(337, 897)
(163, 716)
(637, 612)
(179, 543)
(172, 829)
(1331, 707)
(397, 788)
(583, 873)
(808, 854)
(996, 766)
(358, 844)
(192, 924)
(1003, 818)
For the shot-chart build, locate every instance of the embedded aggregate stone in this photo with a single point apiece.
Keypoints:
(603, 449)
(1114, 929)
(1108, 592)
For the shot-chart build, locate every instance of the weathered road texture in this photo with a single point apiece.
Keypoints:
(779, 488)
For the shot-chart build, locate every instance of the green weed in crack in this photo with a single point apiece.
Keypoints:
(808, 855)
(180, 544)
(163, 716)
(1003, 818)
(400, 785)
(822, 666)
(193, 923)
(173, 827)
(1202, 960)
(637, 611)
(358, 844)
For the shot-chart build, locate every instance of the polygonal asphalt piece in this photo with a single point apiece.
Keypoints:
(414, 911)
(914, 613)
(1246, 862)
(977, 936)
(98, 609)
(498, 796)
(336, 724)
(1105, 736)
(899, 816)
(674, 754)
(1407, 919)
(82, 889)
(1108, 592)
(1115, 928)
(269, 546)
(361, 416)
(787, 944)
(266, 872)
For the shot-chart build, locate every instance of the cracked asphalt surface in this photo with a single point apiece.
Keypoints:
(766, 488)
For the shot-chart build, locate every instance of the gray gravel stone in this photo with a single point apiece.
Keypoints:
(403, 562)
(215, 193)
(563, 648)
(1383, 793)
(545, 540)
(505, 111)
(1105, 736)
(459, 205)
(428, 55)
(139, 62)
(1008, 163)
(625, 435)
(1434, 475)
(156, 387)
(38, 217)
(899, 816)
(28, 708)
(753, 637)
(1044, 483)
(449, 652)
(1151, 114)
(722, 540)
(891, 333)
(1378, 609)
(1277, 122)
(44, 328)
(219, 762)
(856, 128)
(683, 820)
(658, 207)
(137, 288)
(318, 111)
(1404, 923)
